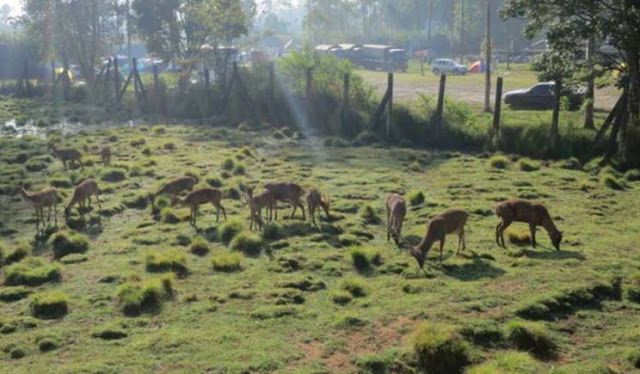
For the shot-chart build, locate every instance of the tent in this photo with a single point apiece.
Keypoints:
(477, 67)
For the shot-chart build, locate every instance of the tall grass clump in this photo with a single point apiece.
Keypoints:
(49, 305)
(144, 296)
(364, 259)
(633, 290)
(499, 162)
(226, 262)
(65, 243)
(528, 165)
(31, 272)
(199, 247)
(228, 230)
(369, 216)
(355, 286)
(19, 252)
(167, 261)
(248, 243)
(439, 349)
(509, 363)
(531, 337)
(416, 198)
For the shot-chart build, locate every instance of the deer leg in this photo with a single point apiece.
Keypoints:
(388, 227)
(441, 248)
(532, 228)
(498, 227)
(304, 218)
(505, 225)
(295, 207)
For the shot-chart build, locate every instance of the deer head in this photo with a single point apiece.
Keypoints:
(556, 238)
(419, 255)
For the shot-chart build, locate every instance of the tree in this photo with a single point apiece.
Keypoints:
(487, 79)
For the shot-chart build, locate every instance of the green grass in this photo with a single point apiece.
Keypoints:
(439, 349)
(66, 242)
(50, 305)
(170, 260)
(302, 306)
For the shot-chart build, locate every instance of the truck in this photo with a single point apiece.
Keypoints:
(379, 57)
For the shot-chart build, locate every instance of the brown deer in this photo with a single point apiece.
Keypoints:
(105, 155)
(46, 198)
(316, 200)
(257, 203)
(202, 196)
(175, 186)
(82, 194)
(396, 210)
(67, 155)
(290, 193)
(449, 222)
(524, 211)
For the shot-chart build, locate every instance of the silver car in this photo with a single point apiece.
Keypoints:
(447, 66)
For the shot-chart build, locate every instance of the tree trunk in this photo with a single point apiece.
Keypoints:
(462, 31)
(590, 95)
(554, 135)
(429, 18)
(633, 63)
(487, 80)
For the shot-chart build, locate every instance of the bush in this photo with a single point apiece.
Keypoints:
(226, 262)
(439, 349)
(247, 242)
(272, 231)
(509, 363)
(369, 215)
(66, 242)
(341, 297)
(113, 175)
(228, 230)
(200, 247)
(51, 305)
(363, 260)
(31, 272)
(528, 165)
(633, 291)
(166, 261)
(142, 297)
(11, 294)
(356, 287)
(416, 198)
(531, 337)
(499, 162)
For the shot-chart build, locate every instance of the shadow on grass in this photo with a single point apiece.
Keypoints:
(477, 269)
(554, 255)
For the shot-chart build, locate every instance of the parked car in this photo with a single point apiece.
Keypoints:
(447, 66)
(541, 96)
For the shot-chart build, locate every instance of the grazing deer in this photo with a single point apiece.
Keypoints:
(67, 154)
(257, 203)
(105, 155)
(524, 211)
(289, 193)
(82, 194)
(175, 186)
(202, 196)
(46, 198)
(396, 210)
(451, 221)
(314, 200)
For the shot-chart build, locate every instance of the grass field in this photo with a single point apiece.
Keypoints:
(301, 306)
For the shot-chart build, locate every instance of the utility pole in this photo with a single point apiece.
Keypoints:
(487, 79)
(429, 18)
(129, 32)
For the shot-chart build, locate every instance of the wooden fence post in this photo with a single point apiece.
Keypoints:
(440, 108)
(345, 101)
(390, 103)
(498, 108)
(207, 83)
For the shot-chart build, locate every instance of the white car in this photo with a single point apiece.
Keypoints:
(447, 66)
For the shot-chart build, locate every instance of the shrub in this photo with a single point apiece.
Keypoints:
(11, 294)
(142, 297)
(272, 231)
(363, 259)
(31, 272)
(356, 287)
(247, 242)
(228, 230)
(369, 215)
(528, 165)
(50, 305)
(439, 349)
(66, 242)
(509, 363)
(113, 175)
(166, 261)
(341, 297)
(226, 262)
(228, 164)
(518, 237)
(633, 291)
(531, 337)
(416, 198)
(499, 162)
(199, 247)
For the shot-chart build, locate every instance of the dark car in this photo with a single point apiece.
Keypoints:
(541, 96)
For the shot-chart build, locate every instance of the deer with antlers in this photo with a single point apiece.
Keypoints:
(73, 156)
(524, 211)
(317, 200)
(290, 193)
(199, 197)
(396, 211)
(449, 222)
(257, 203)
(82, 194)
(46, 198)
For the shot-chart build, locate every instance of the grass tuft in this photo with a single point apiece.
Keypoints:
(509, 362)
(200, 247)
(528, 165)
(170, 260)
(248, 243)
(355, 286)
(518, 237)
(272, 231)
(369, 216)
(365, 259)
(341, 297)
(633, 290)
(49, 305)
(531, 337)
(113, 175)
(226, 262)
(65, 243)
(416, 198)
(31, 272)
(143, 297)
(12, 294)
(499, 162)
(228, 230)
(483, 333)
(439, 349)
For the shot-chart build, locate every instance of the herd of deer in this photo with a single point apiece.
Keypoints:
(450, 222)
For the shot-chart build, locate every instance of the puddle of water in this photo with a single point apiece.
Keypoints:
(12, 129)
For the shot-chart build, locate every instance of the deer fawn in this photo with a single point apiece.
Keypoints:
(451, 221)
(524, 211)
(315, 200)
(82, 194)
(289, 193)
(257, 203)
(202, 196)
(67, 155)
(105, 155)
(46, 198)
(175, 186)
(396, 210)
